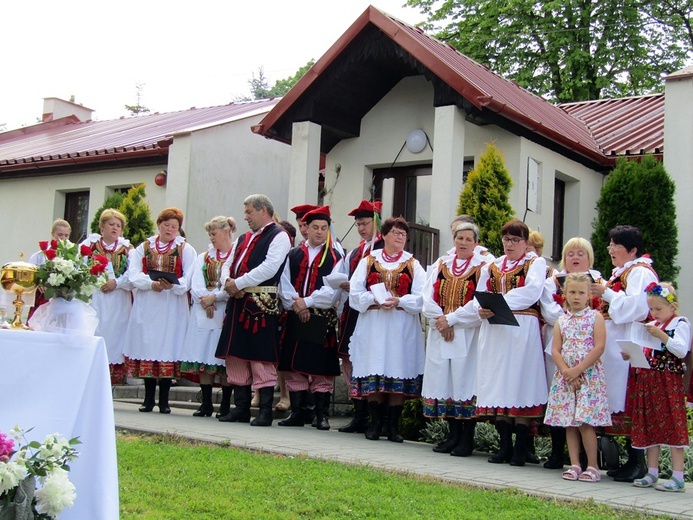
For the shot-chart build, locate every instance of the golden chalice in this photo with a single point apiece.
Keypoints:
(19, 278)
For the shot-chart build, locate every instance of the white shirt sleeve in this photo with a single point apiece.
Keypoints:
(359, 297)
(276, 254)
(681, 342)
(631, 305)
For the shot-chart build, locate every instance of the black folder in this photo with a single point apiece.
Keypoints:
(496, 303)
(312, 331)
(157, 275)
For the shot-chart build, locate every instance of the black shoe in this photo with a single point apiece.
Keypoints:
(453, 438)
(206, 409)
(359, 424)
(149, 394)
(466, 445)
(264, 414)
(322, 408)
(375, 423)
(225, 406)
(296, 418)
(164, 387)
(505, 452)
(241, 412)
(520, 448)
(393, 415)
(557, 448)
(633, 469)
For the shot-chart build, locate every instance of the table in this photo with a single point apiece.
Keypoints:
(60, 383)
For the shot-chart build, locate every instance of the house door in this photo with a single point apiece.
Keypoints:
(405, 191)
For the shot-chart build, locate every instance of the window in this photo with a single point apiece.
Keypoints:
(77, 213)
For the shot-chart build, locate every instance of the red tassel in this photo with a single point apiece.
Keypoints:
(241, 317)
(255, 327)
(264, 323)
(246, 325)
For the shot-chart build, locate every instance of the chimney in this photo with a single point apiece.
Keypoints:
(55, 108)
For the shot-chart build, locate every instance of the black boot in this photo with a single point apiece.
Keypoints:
(296, 418)
(206, 408)
(557, 448)
(149, 394)
(384, 423)
(522, 438)
(393, 415)
(452, 439)
(505, 452)
(309, 409)
(466, 444)
(164, 387)
(359, 423)
(264, 414)
(634, 468)
(375, 423)
(531, 452)
(241, 411)
(322, 409)
(225, 406)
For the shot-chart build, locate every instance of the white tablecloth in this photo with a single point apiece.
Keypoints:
(60, 383)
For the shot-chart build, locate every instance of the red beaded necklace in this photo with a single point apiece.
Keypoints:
(221, 256)
(105, 247)
(165, 249)
(512, 267)
(392, 259)
(459, 271)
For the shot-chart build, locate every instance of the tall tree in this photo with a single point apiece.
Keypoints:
(485, 198)
(260, 89)
(568, 50)
(640, 194)
(114, 201)
(137, 108)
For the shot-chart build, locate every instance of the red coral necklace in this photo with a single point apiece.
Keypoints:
(165, 249)
(106, 248)
(459, 271)
(392, 259)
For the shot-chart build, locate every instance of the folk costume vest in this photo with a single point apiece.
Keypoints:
(117, 254)
(619, 283)
(513, 278)
(451, 292)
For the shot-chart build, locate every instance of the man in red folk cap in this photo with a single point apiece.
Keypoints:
(365, 215)
(300, 212)
(308, 353)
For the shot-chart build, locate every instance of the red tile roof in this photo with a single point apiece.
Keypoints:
(475, 82)
(624, 126)
(68, 141)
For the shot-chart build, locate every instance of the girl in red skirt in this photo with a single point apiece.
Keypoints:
(656, 396)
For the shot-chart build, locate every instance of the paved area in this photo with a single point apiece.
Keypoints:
(410, 457)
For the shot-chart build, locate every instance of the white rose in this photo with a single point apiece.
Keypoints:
(56, 494)
(11, 473)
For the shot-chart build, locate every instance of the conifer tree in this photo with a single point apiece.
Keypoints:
(640, 194)
(485, 198)
(112, 202)
(139, 225)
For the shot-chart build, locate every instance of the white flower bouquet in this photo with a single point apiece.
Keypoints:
(34, 481)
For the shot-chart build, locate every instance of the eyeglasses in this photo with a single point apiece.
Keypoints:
(511, 240)
(364, 224)
(399, 233)
(613, 247)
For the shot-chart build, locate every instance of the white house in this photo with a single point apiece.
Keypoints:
(66, 166)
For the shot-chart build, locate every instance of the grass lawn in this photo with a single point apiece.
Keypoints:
(164, 477)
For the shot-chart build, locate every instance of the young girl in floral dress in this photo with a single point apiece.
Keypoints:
(577, 398)
(657, 401)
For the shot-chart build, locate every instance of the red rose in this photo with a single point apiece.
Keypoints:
(50, 254)
(43, 244)
(85, 250)
(54, 244)
(101, 259)
(97, 269)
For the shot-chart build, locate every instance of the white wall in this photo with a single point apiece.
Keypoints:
(678, 161)
(409, 105)
(30, 205)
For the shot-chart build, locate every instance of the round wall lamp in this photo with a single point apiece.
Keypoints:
(416, 141)
(160, 178)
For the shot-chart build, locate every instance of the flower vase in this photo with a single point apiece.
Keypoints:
(20, 506)
(66, 316)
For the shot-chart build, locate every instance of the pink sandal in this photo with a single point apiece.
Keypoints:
(572, 473)
(591, 474)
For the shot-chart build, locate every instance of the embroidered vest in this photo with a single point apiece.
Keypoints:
(397, 281)
(619, 284)
(665, 361)
(118, 258)
(299, 269)
(451, 292)
(513, 279)
(257, 252)
(170, 262)
(212, 272)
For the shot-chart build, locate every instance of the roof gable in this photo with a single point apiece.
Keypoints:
(377, 51)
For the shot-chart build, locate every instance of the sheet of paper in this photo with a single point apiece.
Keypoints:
(639, 335)
(380, 292)
(110, 271)
(637, 356)
(334, 279)
(456, 348)
(203, 322)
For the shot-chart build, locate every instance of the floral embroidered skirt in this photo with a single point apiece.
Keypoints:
(146, 368)
(119, 373)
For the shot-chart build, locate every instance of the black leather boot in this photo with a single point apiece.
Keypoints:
(375, 423)
(322, 409)
(505, 452)
(241, 411)
(522, 438)
(359, 423)
(634, 468)
(309, 409)
(149, 394)
(557, 448)
(164, 387)
(296, 418)
(225, 406)
(206, 408)
(452, 439)
(264, 414)
(393, 415)
(466, 444)
(531, 452)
